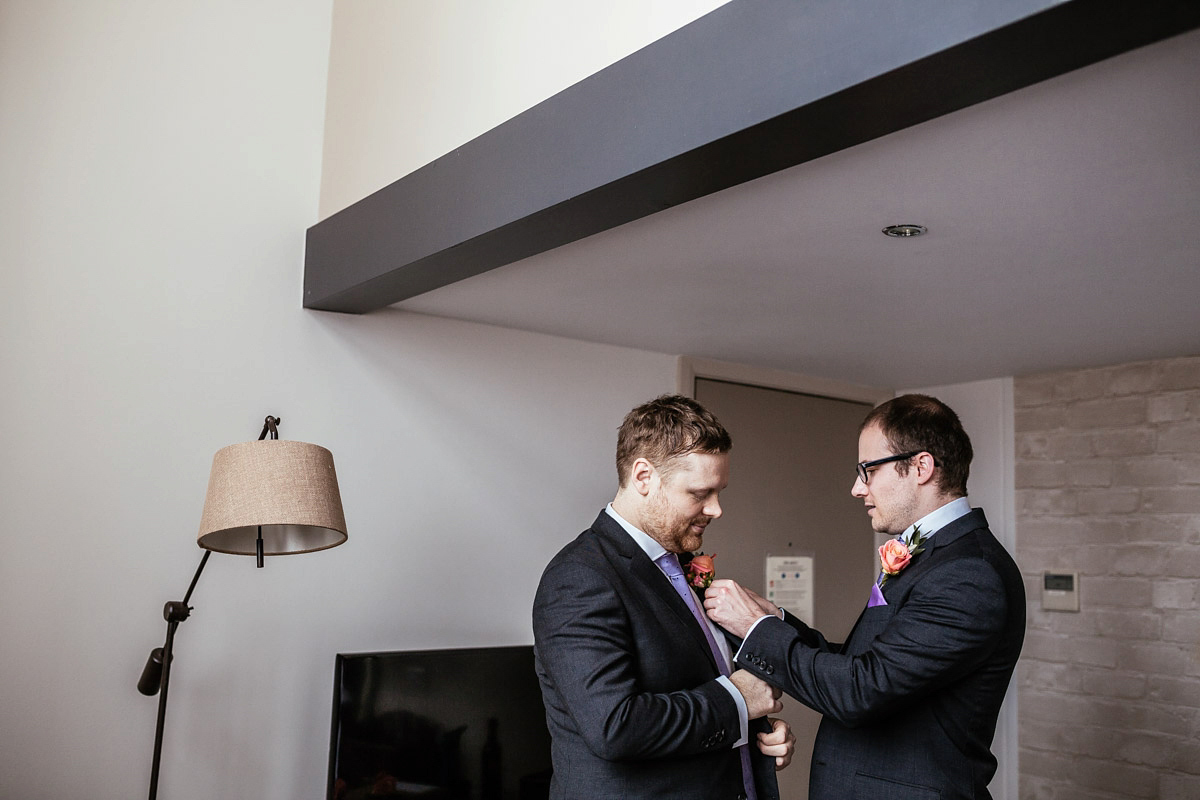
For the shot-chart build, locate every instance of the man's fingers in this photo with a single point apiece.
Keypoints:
(780, 743)
(717, 590)
(771, 749)
(778, 734)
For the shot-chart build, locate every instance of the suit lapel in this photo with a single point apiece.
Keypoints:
(655, 582)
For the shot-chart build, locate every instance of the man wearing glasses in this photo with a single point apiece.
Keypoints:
(910, 699)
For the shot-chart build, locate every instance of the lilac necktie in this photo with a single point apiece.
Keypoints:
(669, 562)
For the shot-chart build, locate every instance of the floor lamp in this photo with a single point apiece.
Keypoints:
(265, 498)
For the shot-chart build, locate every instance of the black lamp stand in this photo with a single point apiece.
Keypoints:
(156, 676)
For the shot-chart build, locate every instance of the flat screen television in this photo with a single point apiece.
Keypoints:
(461, 724)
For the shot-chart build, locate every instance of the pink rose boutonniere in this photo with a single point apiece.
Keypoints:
(895, 554)
(701, 571)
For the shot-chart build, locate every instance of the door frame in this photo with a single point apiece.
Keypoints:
(689, 368)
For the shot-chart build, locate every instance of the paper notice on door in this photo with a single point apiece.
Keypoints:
(790, 584)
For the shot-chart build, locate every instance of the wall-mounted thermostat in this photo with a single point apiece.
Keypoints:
(1060, 591)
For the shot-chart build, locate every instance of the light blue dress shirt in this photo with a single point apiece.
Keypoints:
(935, 520)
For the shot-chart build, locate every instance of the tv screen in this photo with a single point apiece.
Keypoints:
(463, 724)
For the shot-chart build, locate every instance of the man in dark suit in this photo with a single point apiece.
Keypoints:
(910, 700)
(641, 700)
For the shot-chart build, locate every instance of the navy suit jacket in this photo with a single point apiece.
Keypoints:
(910, 700)
(629, 681)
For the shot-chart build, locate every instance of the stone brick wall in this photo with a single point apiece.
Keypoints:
(1108, 484)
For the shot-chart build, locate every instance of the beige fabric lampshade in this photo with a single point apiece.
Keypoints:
(287, 487)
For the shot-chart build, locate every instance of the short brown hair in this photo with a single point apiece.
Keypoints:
(666, 428)
(918, 422)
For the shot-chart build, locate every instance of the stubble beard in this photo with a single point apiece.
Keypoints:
(671, 530)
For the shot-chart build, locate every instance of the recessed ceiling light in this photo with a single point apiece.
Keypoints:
(905, 231)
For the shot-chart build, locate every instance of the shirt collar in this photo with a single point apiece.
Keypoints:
(651, 548)
(934, 521)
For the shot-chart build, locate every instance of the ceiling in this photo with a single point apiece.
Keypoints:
(1062, 220)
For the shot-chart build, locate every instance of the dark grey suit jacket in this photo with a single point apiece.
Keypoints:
(910, 700)
(629, 681)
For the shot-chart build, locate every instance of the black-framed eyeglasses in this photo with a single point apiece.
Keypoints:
(864, 466)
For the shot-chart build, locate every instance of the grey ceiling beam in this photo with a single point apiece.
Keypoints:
(754, 87)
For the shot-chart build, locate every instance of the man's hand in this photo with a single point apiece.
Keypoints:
(735, 608)
(761, 697)
(780, 742)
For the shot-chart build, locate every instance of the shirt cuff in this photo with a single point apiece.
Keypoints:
(743, 714)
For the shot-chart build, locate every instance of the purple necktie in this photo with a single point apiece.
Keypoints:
(669, 563)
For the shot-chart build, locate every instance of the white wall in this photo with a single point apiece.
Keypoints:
(410, 80)
(159, 163)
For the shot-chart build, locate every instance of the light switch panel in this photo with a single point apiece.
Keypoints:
(1060, 591)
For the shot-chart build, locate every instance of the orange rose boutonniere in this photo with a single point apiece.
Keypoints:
(701, 571)
(895, 554)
